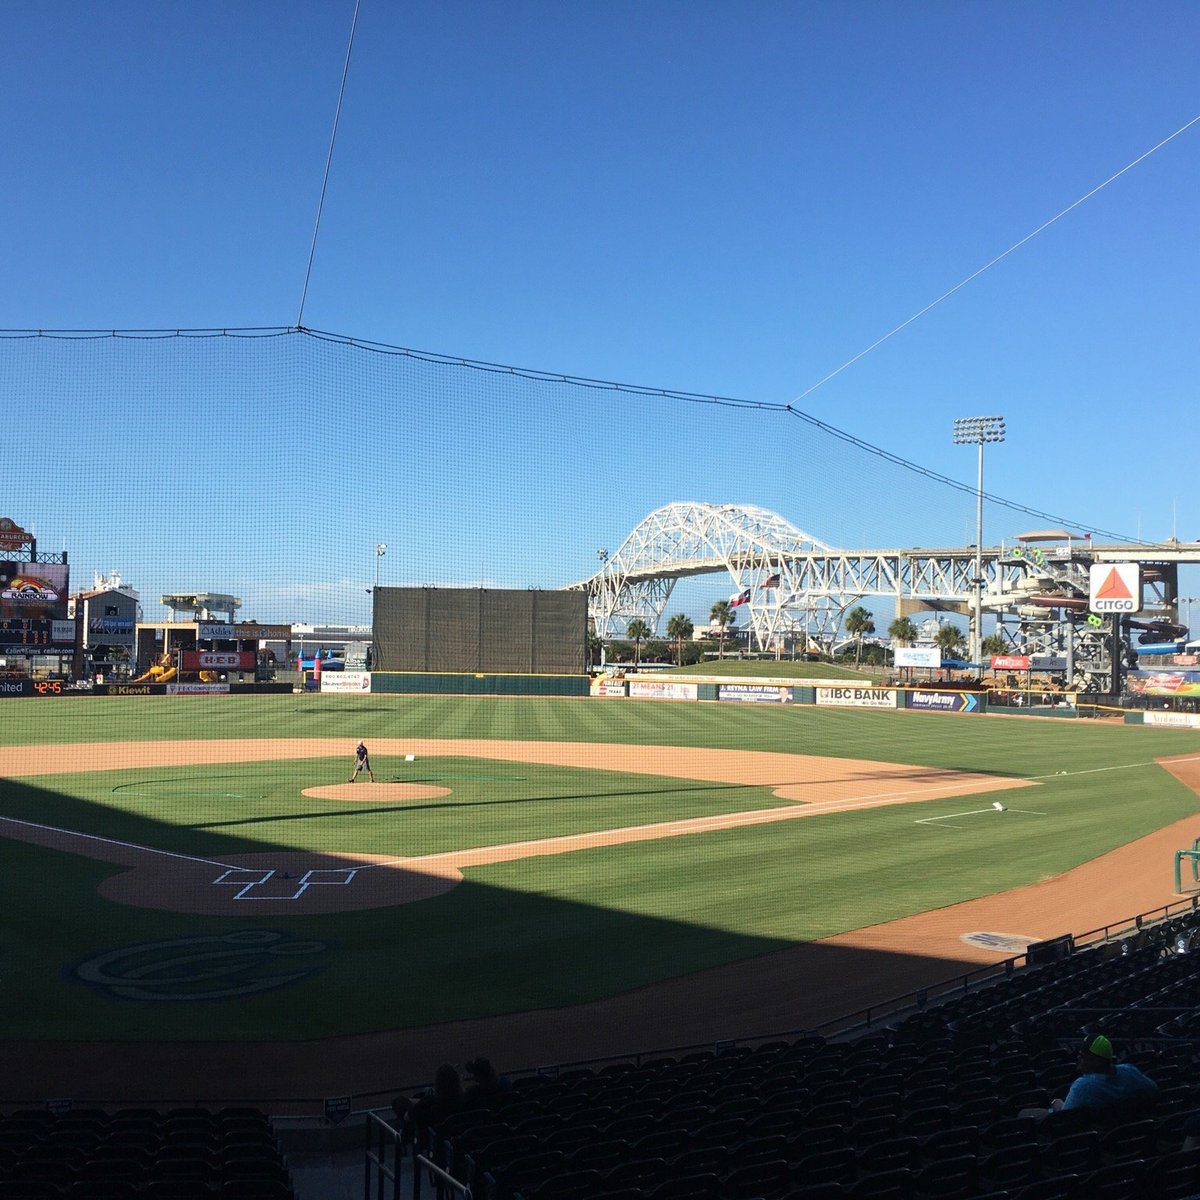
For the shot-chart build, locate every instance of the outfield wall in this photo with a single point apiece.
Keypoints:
(455, 684)
(822, 693)
(15, 689)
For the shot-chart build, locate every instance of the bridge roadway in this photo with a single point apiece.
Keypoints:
(940, 573)
(916, 578)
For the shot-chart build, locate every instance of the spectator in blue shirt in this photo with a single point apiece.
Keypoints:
(1104, 1085)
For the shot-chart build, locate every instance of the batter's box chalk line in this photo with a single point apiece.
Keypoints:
(260, 877)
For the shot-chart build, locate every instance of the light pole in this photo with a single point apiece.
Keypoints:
(380, 551)
(975, 431)
(602, 555)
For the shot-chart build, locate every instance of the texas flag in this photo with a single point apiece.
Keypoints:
(737, 598)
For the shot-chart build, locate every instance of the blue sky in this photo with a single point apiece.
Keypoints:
(731, 199)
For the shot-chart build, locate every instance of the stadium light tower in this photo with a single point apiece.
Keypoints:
(970, 431)
(380, 551)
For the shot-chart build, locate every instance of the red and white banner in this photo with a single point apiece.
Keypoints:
(219, 660)
(1010, 662)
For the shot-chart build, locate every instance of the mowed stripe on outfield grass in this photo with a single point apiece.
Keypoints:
(802, 777)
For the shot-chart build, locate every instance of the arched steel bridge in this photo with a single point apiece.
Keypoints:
(797, 582)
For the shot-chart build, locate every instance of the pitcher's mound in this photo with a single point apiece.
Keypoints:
(376, 793)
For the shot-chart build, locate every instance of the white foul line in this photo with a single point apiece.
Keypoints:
(107, 841)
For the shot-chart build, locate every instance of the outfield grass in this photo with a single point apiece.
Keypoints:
(531, 933)
(237, 809)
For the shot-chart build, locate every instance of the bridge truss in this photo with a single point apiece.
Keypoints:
(796, 585)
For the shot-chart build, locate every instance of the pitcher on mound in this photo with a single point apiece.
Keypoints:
(362, 762)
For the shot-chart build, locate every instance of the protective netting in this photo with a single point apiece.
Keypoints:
(270, 464)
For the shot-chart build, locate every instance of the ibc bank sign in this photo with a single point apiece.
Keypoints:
(852, 697)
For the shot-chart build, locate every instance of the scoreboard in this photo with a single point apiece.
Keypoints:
(26, 633)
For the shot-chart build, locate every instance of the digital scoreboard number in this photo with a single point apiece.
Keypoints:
(23, 633)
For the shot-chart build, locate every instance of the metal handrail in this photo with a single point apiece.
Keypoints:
(444, 1178)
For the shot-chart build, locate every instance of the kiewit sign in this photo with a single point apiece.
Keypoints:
(853, 697)
(1116, 588)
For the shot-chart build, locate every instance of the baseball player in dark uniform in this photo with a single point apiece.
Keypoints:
(362, 762)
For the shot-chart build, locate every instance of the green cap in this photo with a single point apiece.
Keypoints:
(1100, 1046)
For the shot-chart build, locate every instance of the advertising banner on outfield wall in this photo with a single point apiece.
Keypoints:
(197, 689)
(609, 688)
(857, 697)
(1174, 720)
(754, 693)
(346, 681)
(660, 689)
(15, 688)
(944, 701)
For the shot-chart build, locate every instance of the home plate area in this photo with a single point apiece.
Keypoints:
(282, 882)
(276, 884)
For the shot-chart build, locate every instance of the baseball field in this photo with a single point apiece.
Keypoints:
(542, 879)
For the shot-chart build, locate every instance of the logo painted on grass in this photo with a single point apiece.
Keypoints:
(200, 968)
(1002, 943)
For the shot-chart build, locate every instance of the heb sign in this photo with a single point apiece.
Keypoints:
(944, 701)
(754, 693)
(346, 681)
(226, 660)
(857, 697)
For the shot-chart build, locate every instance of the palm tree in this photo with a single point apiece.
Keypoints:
(679, 629)
(638, 631)
(858, 625)
(722, 615)
(951, 640)
(994, 643)
(903, 630)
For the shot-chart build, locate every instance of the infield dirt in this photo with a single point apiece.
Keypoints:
(791, 989)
